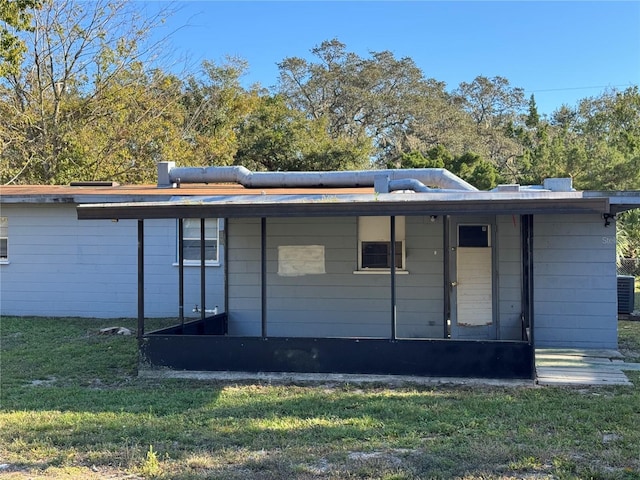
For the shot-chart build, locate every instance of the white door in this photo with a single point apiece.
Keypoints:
(472, 302)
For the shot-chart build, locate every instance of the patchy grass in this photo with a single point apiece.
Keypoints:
(71, 406)
(629, 340)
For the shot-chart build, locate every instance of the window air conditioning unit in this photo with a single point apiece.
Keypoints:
(626, 294)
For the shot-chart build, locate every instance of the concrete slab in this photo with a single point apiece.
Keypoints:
(581, 367)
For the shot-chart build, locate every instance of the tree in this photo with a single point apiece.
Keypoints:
(610, 127)
(141, 126)
(215, 105)
(81, 56)
(14, 17)
(275, 137)
(628, 235)
(437, 120)
(495, 108)
(469, 166)
(356, 96)
(533, 118)
(596, 143)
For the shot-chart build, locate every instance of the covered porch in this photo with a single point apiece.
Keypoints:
(253, 331)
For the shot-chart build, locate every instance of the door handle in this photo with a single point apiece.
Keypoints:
(454, 284)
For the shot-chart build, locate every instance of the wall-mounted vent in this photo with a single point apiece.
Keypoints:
(626, 294)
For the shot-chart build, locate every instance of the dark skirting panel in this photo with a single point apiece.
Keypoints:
(212, 325)
(441, 358)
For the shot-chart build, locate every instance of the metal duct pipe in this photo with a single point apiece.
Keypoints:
(416, 186)
(438, 177)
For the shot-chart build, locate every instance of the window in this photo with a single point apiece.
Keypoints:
(374, 244)
(191, 241)
(4, 239)
(473, 236)
(378, 255)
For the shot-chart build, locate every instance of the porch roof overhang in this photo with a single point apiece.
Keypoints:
(618, 201)
(316, 205)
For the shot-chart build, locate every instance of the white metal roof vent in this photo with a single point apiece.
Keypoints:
(558, 184)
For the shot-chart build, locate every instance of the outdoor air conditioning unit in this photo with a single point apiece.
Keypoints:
(626, 293)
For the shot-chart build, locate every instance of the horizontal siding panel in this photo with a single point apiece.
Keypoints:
(578, 219)
(576, 338)
(303, 221)
(575, 281)
(596, 242)
(509, 308)
(322, 306)
(288, 329)
(569, 308)
(244, 292)
(590, 255)
(578, 321)
(575, 269)
(511, 333)
(569, 294)
(241, 269)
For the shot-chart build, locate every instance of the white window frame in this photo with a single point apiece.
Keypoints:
(191, 262)
(4, 238)
(378, 230)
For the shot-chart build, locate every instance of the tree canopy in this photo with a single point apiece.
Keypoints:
(84, 96)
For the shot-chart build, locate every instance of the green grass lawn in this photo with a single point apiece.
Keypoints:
(72, 407)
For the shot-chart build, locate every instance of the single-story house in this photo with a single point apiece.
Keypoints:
(383, 272)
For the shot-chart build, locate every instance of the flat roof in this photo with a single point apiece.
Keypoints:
(142, 193)
(232, 200)
(325, 204)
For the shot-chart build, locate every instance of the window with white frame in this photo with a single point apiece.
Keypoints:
(4, 239)
(374, 244)
(191, 241)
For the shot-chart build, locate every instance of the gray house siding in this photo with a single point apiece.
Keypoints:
(244, 277)
(575, 288)
(339, 302)
(420, 295)
(509, 277)
(59, 266)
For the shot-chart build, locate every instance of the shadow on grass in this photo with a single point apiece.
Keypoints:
(90, 408)
(445, 430)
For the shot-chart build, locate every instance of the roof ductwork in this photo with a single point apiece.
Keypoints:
(168, 175)
(414, 185)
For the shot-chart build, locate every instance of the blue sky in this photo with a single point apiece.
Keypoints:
(559, 51)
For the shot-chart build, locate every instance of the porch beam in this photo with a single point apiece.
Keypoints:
(181, 272)
(527, 275)
(203, 286)
(140, 280)
(394, 314)
(225, 263)
(446, 249)
(263, 274)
